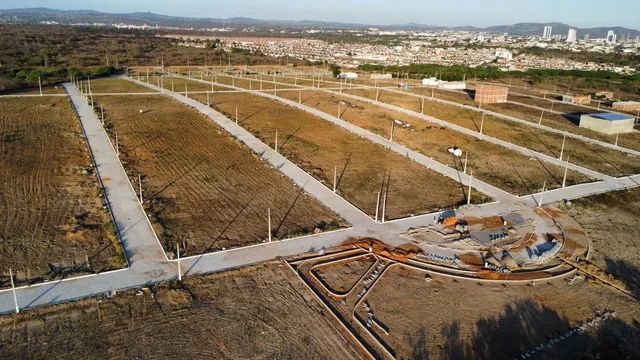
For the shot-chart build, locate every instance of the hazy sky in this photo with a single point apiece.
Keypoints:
(581, 13)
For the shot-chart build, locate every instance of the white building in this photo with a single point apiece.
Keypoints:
(547, 32)
(611, 37)
(608, 123)
(504, 54)
(571, 36)
(348, 75)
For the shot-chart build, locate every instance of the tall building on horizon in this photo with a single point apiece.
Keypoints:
(547, 32)
(611, 37)
(587, 37)
(571, 35)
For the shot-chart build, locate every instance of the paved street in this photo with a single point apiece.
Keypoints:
(148, 263)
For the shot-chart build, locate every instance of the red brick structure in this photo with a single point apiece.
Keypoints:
(491, 94)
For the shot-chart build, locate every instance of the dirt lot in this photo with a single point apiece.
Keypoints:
(611, 222)
(595, 157)
(340, 277)
(261, 312)
(180, 85)
(321, 148)
(203, 188)
(46, 89)
(52, 221)
(494, 164)
(114, 85)
(448, 319)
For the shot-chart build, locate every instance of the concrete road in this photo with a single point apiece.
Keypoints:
(428, 162)
(525, 151)
(148, 263)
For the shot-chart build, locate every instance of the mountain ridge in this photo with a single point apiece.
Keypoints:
(37, 15)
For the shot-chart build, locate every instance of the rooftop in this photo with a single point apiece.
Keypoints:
(611, 116)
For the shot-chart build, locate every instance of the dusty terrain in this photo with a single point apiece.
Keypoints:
(202, 188)
(607, 161)
(494, 164)
(260, 312)
(52, 220)
(341, 276)
(321, 148)
(611, 222)
(447, 319)
(112, 85)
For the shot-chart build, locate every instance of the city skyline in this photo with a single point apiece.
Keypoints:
(376, 12)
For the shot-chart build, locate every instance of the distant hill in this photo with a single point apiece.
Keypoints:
(562, 29)
(37, 15)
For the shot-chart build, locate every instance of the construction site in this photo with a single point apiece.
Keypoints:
(286, 212)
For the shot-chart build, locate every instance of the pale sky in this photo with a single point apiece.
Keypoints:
(580, 13)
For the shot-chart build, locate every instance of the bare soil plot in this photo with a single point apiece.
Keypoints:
(203, 189)
(181, 85)
(113, 85)
(362, 167)
(611, 222)
(445, 318)
(261, 312)
(607, 161)
(52, 220)
(501, 167)
(341, 276)
(46, 89)
(567, 122)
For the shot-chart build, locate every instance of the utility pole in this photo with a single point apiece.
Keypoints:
(140, 188)
(236, 114)
(541, 115)
(544, 187)
(466, 158)
(384, 206)
(208, 102)
(377, 205)
(393, 125)
(117, 148)
(179, 268)
(276, 142)
(562, 148)
(422, 105)
(335, 177)
(482, 123)
(470, 186)
(617, 135)
(566, 168)
(13, 290)
(269, 222)
(40, 85)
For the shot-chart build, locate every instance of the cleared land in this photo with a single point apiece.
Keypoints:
(202, 188)
(444, 318)
(111, 85)
(607, 161)
(491, 163)
(320, 148)
(611, 222)
(341, 276)
(261, 312)
(52, 220)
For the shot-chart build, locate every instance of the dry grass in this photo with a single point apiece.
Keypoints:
(607, 161)
(114, 85)
(342, 276)
(320, 147)
(262, 312)
(203, 188)
(493, 164)
(445, 318)
(51, 215)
